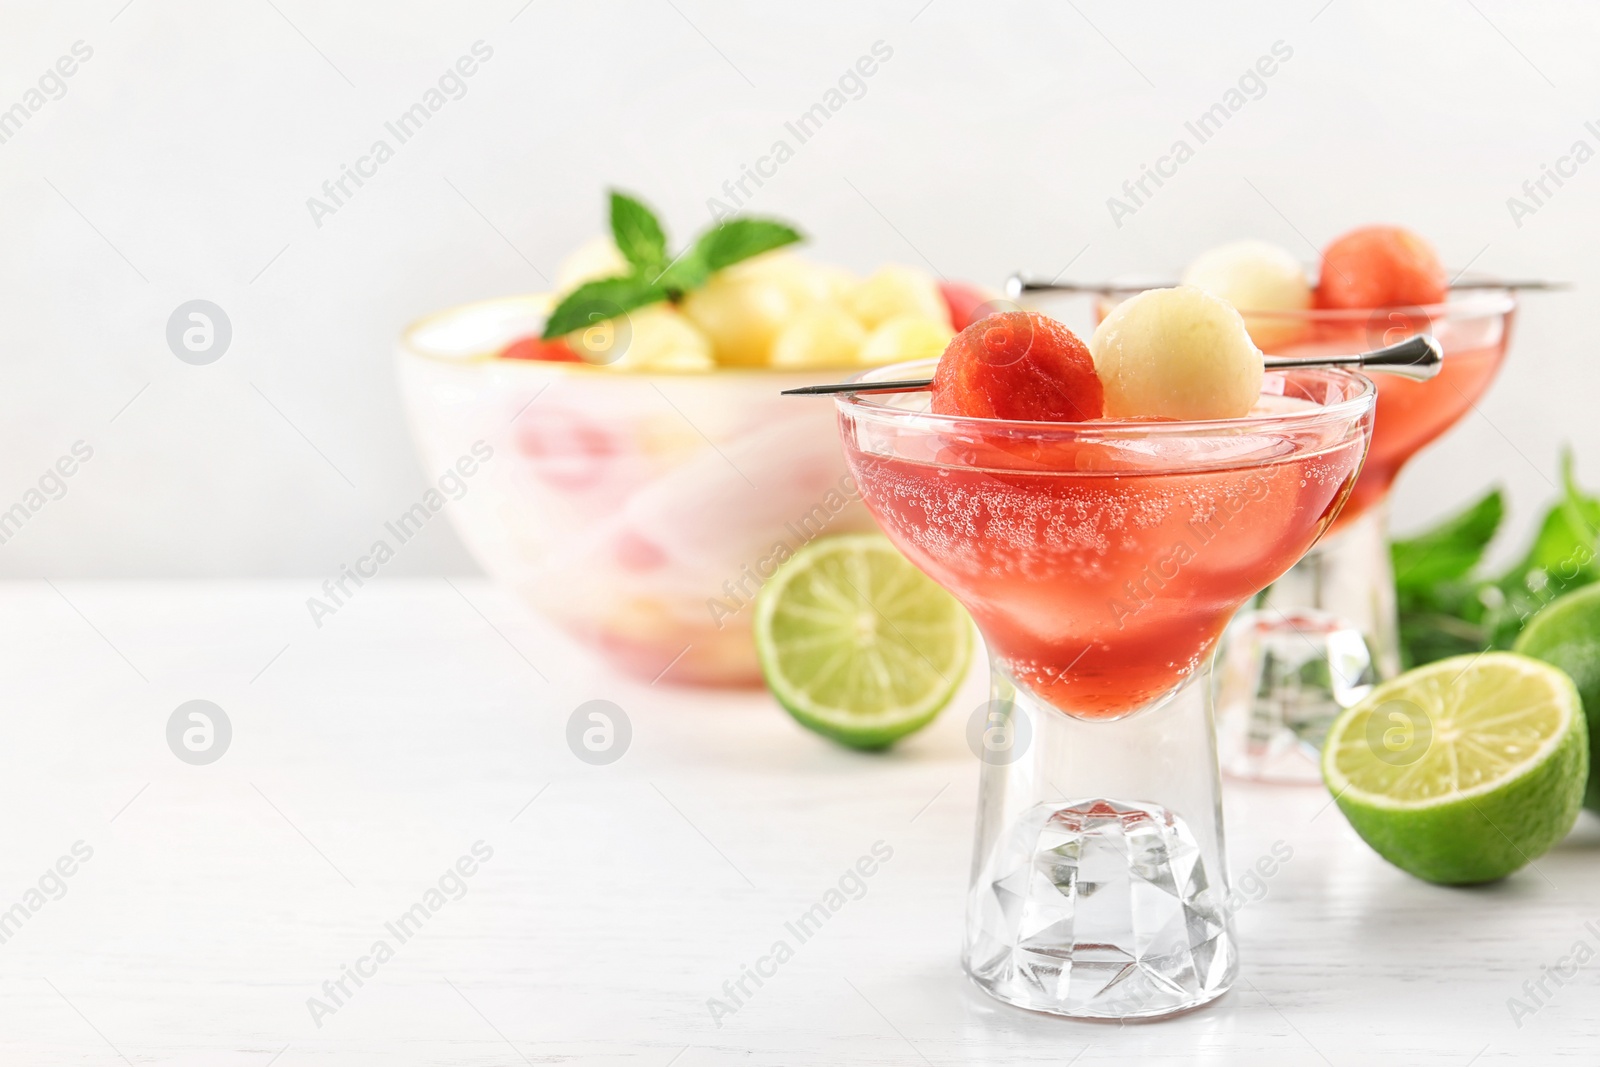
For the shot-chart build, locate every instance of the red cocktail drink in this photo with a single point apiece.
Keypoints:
(1102, 582)
(1473, 332)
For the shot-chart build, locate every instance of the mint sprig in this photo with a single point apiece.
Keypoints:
(651, 276)
(1447, 608)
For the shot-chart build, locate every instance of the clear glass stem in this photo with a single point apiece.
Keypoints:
(1313, 644)
(1099, 881)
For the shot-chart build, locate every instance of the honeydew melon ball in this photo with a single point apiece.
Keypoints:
(590, 261)
(906, 337)
(821, 336)
(661, 339)
(742, 312)
(806, 282)
(1180, 353)
(894, 290)
(1256, 276)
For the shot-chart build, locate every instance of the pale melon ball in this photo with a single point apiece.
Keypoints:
(1256, 276)
(742, 312)
(906, 337)
(836, 281)
(656, 338)
(805, 281)
(1176, 353)
(821, 336)
(893, 290)
(590, 261)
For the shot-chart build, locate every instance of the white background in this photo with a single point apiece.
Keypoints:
(178, 164)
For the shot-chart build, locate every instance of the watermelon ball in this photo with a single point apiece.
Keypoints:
(547, 351)
(966, 303)
(1018, 365)
(1381, 266)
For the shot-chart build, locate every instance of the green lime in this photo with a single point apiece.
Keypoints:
(1463, 770)
(856, 643)
(1566, 633)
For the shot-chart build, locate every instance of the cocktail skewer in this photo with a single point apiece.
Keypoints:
(1017, 284)
(1416, 357)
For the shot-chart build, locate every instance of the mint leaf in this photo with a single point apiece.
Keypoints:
(1569, 481)
(688, 271)
(597, 301)
(1442, 612)
(1448, 551)
(737, 239)
(1564, 547)
(1561, 559)
(638, 234)
(1580, 528)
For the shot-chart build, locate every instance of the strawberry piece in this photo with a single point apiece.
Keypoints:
(533, 348)
(1018, 365)
(1380, 266)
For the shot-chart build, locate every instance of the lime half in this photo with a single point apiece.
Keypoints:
(1463, 770)
(856, 643)
(1566, 633)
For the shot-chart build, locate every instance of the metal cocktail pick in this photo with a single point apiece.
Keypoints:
(1017, 284)
(1416, 357)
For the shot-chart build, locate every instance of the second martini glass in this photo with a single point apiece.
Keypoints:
(1102, 561)
(1317, 640)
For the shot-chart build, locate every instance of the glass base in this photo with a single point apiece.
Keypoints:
(1314, 644)
(1284, 678)
(1101, 909)
(1099, 883)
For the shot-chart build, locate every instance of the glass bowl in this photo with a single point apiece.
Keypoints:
(639, 512)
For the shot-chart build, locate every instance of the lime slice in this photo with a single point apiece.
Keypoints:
(857, 644)
(1566, 634)
(1463, 770)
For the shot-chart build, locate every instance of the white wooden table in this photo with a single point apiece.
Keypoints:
(369, 756)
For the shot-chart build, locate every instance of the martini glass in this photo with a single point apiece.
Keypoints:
(1102, 561)
(1320, 637)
